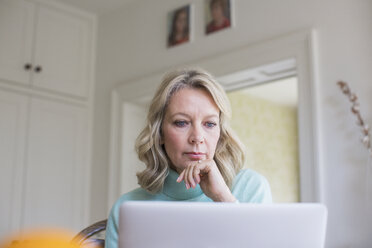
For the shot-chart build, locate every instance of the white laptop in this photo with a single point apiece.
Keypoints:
(221, 225)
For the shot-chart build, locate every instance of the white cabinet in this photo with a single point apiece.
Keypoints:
(13, 125)
(56, 161)
(62, 46)
(45, 114)
(16, 32)
(45, 47)
(43, 163)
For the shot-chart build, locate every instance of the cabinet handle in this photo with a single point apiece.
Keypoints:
(38, 68)
(28, 66)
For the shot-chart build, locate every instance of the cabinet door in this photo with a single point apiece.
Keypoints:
(62, 50)
(16, 30)
(13, 124)
(56, 183)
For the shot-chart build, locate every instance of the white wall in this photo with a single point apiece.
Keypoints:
(132, 43)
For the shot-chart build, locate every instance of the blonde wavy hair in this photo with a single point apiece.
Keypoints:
(229, 154)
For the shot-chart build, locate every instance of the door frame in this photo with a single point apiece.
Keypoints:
(300, 45)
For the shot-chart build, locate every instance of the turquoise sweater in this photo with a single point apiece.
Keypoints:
(248, 186)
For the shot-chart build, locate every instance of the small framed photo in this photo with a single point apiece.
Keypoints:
(179, 26)
(218, 15)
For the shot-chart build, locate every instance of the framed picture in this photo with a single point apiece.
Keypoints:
(218, 15)
(179, 26)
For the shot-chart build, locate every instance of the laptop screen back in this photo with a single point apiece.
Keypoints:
(221, 225)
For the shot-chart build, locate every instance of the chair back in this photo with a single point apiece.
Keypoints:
(85, 237)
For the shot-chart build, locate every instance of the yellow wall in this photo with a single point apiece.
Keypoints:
(269, 131)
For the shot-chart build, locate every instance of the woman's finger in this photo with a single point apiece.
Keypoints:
(196, 174)
(187, 178)
(180, 177)
(190, 175)
(200, 167)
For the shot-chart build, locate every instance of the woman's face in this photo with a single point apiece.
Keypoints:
(181, 21)
(190, 128)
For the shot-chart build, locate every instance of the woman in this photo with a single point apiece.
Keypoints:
(180, 27)
(190, 152)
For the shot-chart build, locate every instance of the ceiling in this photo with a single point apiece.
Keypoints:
(98, 7)
(275, 82)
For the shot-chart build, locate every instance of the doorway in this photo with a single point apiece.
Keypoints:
(264, 102)
(265, 119)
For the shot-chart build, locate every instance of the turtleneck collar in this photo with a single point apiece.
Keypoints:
(177, 190)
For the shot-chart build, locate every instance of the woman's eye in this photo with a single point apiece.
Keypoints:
(210, 124)
(180, 123)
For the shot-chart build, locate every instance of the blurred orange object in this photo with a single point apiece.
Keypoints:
(42, 238)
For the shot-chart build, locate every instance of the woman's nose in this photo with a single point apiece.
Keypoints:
(196, 137)
(197, 140)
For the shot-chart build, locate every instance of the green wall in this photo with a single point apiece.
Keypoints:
(269, 132)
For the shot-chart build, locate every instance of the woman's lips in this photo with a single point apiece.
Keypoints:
(195, 155)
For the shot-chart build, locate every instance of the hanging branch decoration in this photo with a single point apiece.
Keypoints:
(355, 109)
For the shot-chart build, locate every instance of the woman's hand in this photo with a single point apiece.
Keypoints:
(207, 174)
